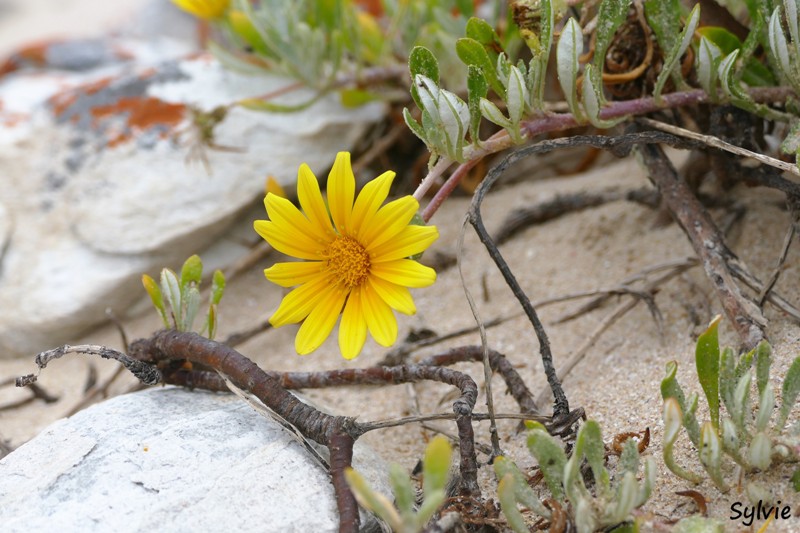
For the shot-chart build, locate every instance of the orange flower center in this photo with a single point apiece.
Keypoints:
(348, 261)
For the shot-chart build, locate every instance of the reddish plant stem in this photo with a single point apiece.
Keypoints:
(564, 121)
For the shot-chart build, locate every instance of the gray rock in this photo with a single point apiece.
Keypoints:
(97, 189)
(167, 459)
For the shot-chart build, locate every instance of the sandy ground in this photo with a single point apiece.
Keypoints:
(617, 382)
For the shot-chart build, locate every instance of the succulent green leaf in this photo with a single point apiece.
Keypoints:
(730, 86)
(421, 61)
(727, 377)
(610, 16)
(436, 464)
(627, 495)
(373, 501)
(473, 53)
(503, 467)
(711, 455)
(506, 493)
(415, 127)
(766, 405)
(585, 521)
(677, 50)
(730, 441)
(445, 117)
(754, 72)
(650, 473)
(741, 407)
(403, 491)
(790, 390)
(517, 96)
(494, 115)
(217, 287)
(192, 297)
(477, 88)
(156, 297)
(593, 98)
(629, 458)
(589, 443)
(672, 425)
(568, 50)
(551, 459)
(708, 57)
(707, 362)
(191, 272)
(664, 17)
(429, 506)
(211, 321)
(172, 291)
(760, 451)
(778, 44)
(670, 388)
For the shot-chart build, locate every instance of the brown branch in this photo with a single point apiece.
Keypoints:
(708, 244)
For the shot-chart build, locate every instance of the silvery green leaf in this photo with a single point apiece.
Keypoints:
(625, 502)
(448, 116)
(790, 390)
(503, 69)
(740, 402)
(504, 467)
(192, 296)
(760, 452)
(568, 50)
(403, 490)
(415, 127)
(650, 473)
(664, 17)
(172, 291)
(708, 55)
(217, 287)
(429, 506)
(551, 459)
(730, 436)
(778, 44)
(730, 86)
(629, 458)
(517, 96)
(790, 6)
(672, 426)
(711, 455)
(493, 114)
(476, 89)
(677, 51)
(765, 407)
(611, 14)
(727, 377)
(593, 97)
(589, 443)
(757, 493)
(508, 504)
(690, 420)
(421, 61)
(585, 521)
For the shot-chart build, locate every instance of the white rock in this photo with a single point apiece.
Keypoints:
(167, 459)
(97, 189)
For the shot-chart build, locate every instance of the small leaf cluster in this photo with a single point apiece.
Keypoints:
(747, 433)
(407, 517)
(182, 296)
(610, 504)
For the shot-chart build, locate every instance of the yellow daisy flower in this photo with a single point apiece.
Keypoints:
(356, 258)
(204, 9)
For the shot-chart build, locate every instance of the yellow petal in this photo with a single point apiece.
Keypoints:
(398, 298)
(207, 9)
(320, 322)
(404, 272)
(290, 274)
(301, 301)
(353, 327)
(370, 199)
(288, 240)
(380, 320)
(341, 190)
(389, 221)
(282, 211)
(410, 241)
(311, 201)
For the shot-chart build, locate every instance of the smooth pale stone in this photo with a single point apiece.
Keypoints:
(169, 459)
(97, 188)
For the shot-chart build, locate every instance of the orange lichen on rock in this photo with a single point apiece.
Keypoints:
(141, 113)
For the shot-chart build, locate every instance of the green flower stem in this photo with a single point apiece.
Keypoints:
(563, 121)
